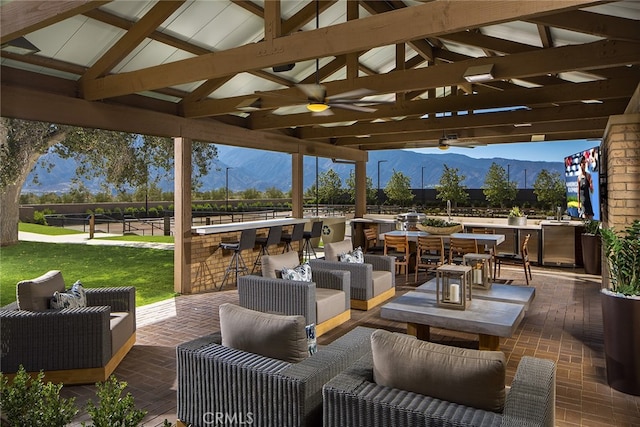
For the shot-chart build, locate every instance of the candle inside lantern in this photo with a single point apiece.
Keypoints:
(477, 276)
(454, 292)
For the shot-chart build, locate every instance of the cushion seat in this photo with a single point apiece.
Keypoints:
(329, 303)
(121, 325)
(382, 281)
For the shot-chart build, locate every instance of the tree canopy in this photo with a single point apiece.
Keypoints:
(329, 187)
(398, 189)
(351, 188)
(550, 188)
(450, 186)
(497, 188)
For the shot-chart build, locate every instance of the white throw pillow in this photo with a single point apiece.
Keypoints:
(355, 256)
(73, 298)
(301, 273)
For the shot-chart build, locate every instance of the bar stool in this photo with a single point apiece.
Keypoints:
(272, 238)
(237, 264)
(296, 235)
(307, 248)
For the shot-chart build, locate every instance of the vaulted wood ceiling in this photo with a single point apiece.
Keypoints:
(191, 68)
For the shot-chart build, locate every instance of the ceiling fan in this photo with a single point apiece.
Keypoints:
(320, 104)
(451, 140)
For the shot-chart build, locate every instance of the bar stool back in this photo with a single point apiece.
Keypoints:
(315, 232)
(237, 264)
(296, 235)
(272, 238)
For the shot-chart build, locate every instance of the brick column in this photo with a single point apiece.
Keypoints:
(621, 167)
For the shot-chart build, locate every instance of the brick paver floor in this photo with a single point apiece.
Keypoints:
(564, 324)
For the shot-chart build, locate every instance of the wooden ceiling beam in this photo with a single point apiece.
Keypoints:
(132, 38)
(548, 114)
(378, 30)
(545, 128)
(569, 92)
(596, 24)
(35, 105)
(18, 18)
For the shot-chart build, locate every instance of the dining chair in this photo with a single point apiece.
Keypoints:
(516, 259)
(398, 247)
(458, 247)
(488, 248)
(430, 253)
(371, 244)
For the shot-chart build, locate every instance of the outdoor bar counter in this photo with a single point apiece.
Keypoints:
(209, 262)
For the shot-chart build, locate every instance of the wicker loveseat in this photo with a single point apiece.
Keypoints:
(372, 282)
(223, 385)
(355, 398)
(80, 345)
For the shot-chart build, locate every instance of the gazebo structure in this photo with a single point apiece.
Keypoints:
(333, 78)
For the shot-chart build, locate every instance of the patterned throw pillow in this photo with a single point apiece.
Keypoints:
(301, 273)
(73, 298)
(311, 339)
(356, 256)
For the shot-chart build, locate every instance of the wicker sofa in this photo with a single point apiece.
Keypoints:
(372, 282)
(325, 301)
(217, 383)
(73, 345)
(354, 398)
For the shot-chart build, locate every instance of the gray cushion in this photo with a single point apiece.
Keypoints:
(382, 281)
(270, 335)
(35, 294)
(332, 251)
(272, 265)
(329, 303)
(122, 327)
(468, 377)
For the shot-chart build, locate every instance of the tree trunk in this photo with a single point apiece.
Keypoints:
(9, 215)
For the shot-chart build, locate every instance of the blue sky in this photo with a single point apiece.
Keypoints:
(549, 151)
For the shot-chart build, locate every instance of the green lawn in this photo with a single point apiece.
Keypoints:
(45, 229)
(149, 270)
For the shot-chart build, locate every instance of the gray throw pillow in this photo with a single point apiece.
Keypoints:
(272, 265)
(35, 294)
(270, 335)
(472, 378)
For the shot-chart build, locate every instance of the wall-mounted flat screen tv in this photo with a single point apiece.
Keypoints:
(581, 177)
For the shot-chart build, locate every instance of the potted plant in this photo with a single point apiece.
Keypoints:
(516, 217)
(621, 308)
(591, 247)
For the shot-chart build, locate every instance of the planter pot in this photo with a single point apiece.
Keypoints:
(591, 253)
(517, 220)
(440, 230)
(621, 319)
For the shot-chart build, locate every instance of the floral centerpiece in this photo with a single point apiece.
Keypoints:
(439, 226)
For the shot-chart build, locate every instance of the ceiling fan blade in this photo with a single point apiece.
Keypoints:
(324, 113)
(313, 91)
(356, 93)
(359, 108)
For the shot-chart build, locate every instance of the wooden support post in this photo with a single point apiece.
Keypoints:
(182, 202)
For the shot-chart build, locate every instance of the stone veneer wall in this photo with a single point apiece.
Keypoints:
(208, 263)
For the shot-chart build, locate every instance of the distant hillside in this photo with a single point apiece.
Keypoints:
(263, 169)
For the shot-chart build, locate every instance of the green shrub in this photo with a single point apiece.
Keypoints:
(114, 409)
(38, 218)
(99, 211)
(153, 212)
(27, 402)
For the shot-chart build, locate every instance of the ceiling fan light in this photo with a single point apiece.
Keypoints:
(317, 107)
(443, 146)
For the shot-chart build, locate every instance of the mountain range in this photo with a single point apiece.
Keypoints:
(263, 169)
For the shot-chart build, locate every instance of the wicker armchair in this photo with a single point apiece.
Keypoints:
(74, 345)
(354, 399)
(214, 380)
(325, 301)
(372, 283)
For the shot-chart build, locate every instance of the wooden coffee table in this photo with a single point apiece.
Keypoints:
(489, 319)
(497, 292)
